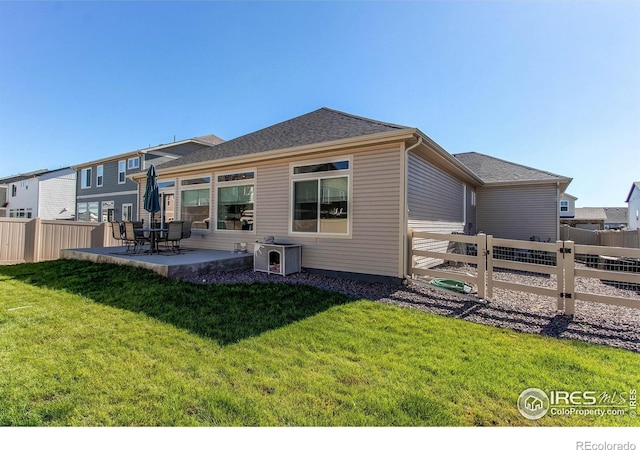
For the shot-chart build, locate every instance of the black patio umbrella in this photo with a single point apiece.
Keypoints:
(151, 194)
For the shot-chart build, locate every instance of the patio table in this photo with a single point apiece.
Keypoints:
(153, 238)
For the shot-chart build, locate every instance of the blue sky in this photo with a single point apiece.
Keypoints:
(552, 85)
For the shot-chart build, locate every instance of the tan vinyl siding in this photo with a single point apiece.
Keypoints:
(518, 212)
(372, 248)
(436, 203)
(471, 225)
(435, 198)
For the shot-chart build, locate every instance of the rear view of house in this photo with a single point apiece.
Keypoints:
(346, 188)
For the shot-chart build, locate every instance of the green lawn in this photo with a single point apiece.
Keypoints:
(92, 344)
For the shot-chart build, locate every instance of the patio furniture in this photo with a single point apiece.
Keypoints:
(173, 236)
(186, 229)
(116, 232)
(133, 237)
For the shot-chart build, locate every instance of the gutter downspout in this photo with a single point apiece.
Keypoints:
(405, 215)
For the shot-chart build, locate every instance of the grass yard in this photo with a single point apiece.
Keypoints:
(85, 344)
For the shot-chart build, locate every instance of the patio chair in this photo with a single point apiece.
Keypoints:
(173, 236)
(116, 232)
(133, 237)
(186, 229)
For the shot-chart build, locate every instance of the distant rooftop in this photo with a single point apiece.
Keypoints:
(25, 176)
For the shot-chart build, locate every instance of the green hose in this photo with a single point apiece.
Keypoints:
(452, 285)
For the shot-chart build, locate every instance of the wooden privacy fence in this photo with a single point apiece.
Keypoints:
(562, 270)
(34, 240)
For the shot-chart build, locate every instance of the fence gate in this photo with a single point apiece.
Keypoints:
(529, 266)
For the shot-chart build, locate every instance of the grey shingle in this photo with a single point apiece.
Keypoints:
(494, 170)
(322, 125)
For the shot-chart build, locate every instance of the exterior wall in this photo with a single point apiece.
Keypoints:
(634, 210)
(56, 195)
(518, 212)
(373, 246)
(471, 224)
(127, 192)
(437, 203)
(26, 196)
(110, 190)
(435, 199)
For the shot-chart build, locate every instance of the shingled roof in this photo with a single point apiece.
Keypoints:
(322, 125)
(494, 170)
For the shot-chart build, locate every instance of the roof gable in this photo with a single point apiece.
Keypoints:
(495, 170)
(635, 185)
(322, 125)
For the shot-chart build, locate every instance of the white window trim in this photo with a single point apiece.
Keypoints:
(124, 179)
(564, 204)
(99, 169)
(83, 178)
(124, 206)
(132, 166)
(191, 187)
(253, 181)
(322, 176)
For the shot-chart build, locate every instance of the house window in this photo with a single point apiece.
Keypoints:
(473, 198)
(122, 172)
(133, 163)
(194, 201)
(99, 176)
(127, 212)
(85, 178)
(235, 201)
(21, 213)
(108, 211)
(564, 206)
(24, 184)
(320, 198)
(14, 190)
(88, 212)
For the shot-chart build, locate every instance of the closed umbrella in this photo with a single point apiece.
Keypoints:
(151, 194)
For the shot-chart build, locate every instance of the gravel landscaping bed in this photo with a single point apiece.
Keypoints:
(598, 323)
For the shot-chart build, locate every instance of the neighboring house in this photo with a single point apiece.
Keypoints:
(46, 194)
(516, 201)
(106, 193)
(587, 218)
(597, 218)
(345, 187)
(633, 200)
(567, 206)
(617, 218)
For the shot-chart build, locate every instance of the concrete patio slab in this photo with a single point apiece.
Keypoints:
(188, 264)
